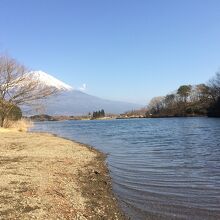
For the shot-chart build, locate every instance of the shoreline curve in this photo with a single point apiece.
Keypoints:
(44, 176)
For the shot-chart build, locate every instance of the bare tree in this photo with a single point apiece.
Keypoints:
(202, 93)
(155, 105)
(18, 88)
(214, 88)
(170, 100)
(214, 85)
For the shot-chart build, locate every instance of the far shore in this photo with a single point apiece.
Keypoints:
(43, 117)
(43, 176)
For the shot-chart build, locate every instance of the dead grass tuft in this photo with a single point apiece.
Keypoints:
(21, 125)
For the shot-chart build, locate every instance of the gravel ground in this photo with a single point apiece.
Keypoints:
(46, 177)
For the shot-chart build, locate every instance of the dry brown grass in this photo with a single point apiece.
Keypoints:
(21, 125)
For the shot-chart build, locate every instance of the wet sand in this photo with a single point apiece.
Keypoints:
(46, 177)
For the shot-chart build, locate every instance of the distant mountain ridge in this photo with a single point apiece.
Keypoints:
(70, 101)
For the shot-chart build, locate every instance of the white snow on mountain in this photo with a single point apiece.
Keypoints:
(49, 80)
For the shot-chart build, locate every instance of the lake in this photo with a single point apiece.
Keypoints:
(166, 168)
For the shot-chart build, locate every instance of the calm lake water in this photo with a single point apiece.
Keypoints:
(160, 168)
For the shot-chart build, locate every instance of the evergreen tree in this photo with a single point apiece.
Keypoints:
(102, 113)
(98, 114)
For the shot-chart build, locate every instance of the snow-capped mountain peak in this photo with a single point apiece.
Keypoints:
(49, 80)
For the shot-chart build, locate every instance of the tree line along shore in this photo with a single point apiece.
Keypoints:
(186, 101)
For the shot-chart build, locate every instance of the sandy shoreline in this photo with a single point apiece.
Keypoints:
(43, 176)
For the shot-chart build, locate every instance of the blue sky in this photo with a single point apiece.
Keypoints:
(129, 50)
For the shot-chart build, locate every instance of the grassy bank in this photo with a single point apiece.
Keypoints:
(47, 177)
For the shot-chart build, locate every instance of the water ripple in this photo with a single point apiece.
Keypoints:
(161, 168)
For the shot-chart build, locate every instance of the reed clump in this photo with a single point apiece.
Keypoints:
(21, 125)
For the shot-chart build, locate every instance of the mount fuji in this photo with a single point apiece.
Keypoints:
(48, 80)
(70, 101)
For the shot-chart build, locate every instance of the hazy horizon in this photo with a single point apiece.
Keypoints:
(128, 50)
